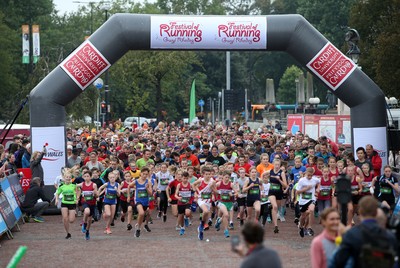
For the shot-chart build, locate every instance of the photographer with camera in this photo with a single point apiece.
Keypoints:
(256, 254)
(368, 244)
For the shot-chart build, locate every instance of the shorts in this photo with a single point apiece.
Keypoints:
(140, 204)
(278, 195)
(174, 202)
(304, 208)
(228, 205)
(388, 198)
(125, 205)
(201, 202)
(250, 203)
(241, 201)
(183, 208)
(69, 206)
(355, 199)
(91, 207)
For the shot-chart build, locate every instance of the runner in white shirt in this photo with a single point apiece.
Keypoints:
(307, 190)
(241, 198)
(265, 212)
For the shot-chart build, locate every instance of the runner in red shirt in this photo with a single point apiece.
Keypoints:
(126, 207)
(242, 164)
(184, 196)
(171, 189)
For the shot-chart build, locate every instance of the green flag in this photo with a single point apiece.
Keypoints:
(192, 110)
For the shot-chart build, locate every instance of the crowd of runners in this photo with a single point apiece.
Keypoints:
(228, 174)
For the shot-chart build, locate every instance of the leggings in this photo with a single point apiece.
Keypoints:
(265, 211)
(163, 202)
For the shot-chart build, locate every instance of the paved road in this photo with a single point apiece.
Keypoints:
(47, 246)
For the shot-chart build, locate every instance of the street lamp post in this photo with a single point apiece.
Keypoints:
(352, 37)
(106, 7)
(91, 11)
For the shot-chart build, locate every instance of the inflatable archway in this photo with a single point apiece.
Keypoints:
(124, 32)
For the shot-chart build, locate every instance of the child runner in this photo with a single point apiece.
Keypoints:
(127, 208)
(183, 194)
(308, 189)
(69, 201)
(325, 195)
(164, 178)
(265, 204)
(143, 189)
(368, 177)
(277, 181)
(226, 193)
(388, 187)
(204, 188)
(253, 187)
(170, 191)
(111, 192)
(333, 175)
(241, 198)
(88, 201)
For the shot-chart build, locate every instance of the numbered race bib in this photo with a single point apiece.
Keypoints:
(68, 197)
(354, 187)
(164, 182)
(225, 197)
(88, 196)
(205, 195)
(325, 190)
(185, 200)
(275, 187)
(254, 191)
(142, 193)
(264, 199)
(386, 190)
(307, 196)
(111, 196)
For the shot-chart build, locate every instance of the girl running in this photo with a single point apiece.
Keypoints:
(388, 187)
(253, 187)
(88, 201)
(265, 204)
(170, 191)
(111, 191)
(368, 178)
(241, 198)
(69, 201)
(183, 194)
(278, 182)
(325, 195)
(127, 208)
(164, 178)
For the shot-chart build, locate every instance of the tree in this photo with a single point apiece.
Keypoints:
(287, 85)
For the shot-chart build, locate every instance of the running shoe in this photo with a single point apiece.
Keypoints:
(283, 219)
(87, 235)
(241, 222)
(200, 231)
(296, 221)
(38, 219)
(310, 232)
(137, 233)
(206, 227)
(68, 236)
(123, 218)
(210, 222)
(182, 231)
(305, 231)
(177, 228)
(129, 227)
(190, 223)
(164, 218)
(186, 220)
(301, 232)
(276, 230)
(108, 231)
(226, 233)
(218, 224)
(159, 215)
(146, 227)
(84, 228)
(269, 219)
(231, 225)
(279, 216)
(112, 223)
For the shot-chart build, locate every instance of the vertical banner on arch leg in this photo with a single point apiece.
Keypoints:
(54, 159)
(376, 136)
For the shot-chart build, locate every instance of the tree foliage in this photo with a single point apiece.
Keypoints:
(287, 85)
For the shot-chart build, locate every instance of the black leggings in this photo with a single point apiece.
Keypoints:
(265, 211)
(163, 202)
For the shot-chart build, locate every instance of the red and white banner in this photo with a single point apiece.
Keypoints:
(85, 64)
(208, 32)
(331, 66)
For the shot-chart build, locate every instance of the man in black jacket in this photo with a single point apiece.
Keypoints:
(31, 206)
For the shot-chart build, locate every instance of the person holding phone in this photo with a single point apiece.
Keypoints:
(256, 254)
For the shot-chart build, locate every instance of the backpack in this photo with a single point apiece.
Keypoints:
(377, 250)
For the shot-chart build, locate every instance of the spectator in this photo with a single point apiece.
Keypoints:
(15, 145)
(26, 158)
(31, 206)
(74, 159)
(257, 254)
(36, 164)
(361, 158)
(20, 152)
(374, 159)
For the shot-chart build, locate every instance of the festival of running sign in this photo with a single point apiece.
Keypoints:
(85, 64)
(331, 66)
(208, 32)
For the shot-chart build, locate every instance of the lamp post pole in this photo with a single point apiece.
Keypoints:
(106, 7)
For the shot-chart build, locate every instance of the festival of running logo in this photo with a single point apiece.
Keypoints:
(239, 32)
(181, 32)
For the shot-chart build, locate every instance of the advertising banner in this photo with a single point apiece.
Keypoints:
(208, 32)
(295, 123)
(25, 44)
(376, 136)
(335, 127)
(16, 188)
(54, 159)
(36, 43)
(7, 212)
(3, 225)
(8, 191)
(85, 64)
(331, 66)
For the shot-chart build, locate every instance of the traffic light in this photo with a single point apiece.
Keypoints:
(103, 107)
(208, 104)
(229, 100)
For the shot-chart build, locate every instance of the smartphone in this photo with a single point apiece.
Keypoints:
(235, 241)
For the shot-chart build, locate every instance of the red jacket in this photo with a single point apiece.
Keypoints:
(376, 162)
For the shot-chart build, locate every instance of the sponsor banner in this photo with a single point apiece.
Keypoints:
(16, 188)
(36, 43)
(208, 32)
(25, 44)
(7, 212)
(331, 66)
(3, 225)
(85, 64)
(376, 136)
(54, 159)
(12, 200)
(295, 123)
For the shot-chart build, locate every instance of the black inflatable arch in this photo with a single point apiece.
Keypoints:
(124, 32)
